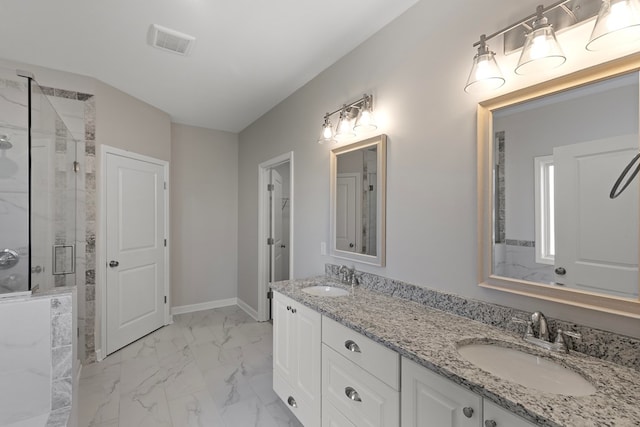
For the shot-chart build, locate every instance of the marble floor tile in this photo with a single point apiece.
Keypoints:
(209, 368)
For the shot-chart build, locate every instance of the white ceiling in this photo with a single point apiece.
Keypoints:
(249, 54)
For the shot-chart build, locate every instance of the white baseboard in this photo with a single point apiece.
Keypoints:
(99, 355)
(248, 309)
(203, 306)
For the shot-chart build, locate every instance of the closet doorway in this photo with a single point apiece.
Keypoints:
(276, 227)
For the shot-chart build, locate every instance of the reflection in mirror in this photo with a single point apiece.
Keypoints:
(549, 157)
(358, 175)
(556, 161)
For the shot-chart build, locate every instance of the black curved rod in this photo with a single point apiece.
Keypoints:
(614, 191)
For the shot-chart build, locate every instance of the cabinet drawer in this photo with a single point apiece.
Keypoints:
(382, 362)
(502, 417)
(307, 413)
(362, 398)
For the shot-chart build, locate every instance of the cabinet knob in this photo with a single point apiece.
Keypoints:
(293, 310)
(561, 271)
(352, 394)
(352, 346)
(467, 411)
(288, 308)
(490, 423)
(292, 402)
(113, 263)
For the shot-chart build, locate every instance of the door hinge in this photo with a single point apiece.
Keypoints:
(76, 166)
(165, 185)
(165, 243)
(271, 187)
(165, 299)
(270, 295)
(270, 241)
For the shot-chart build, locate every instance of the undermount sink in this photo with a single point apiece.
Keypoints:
(326, 291)
(526, 369)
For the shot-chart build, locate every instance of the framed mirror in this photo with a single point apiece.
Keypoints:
(358, 201)
(548, 157)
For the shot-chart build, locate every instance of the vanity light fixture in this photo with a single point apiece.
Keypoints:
(541, 49)
(485, 73)
(356, 117)
(618, 21)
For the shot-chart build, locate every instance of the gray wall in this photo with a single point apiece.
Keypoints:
(204, 215)
(416, 68)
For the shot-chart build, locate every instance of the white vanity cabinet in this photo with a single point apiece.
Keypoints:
(296, 358)
(430, 400)
(360, 379)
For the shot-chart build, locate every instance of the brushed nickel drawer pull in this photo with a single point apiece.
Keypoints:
(292, 402)
(352, 346)
(352, 394)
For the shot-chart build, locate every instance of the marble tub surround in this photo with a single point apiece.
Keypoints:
(36, 358)
(597, 343)
(430, 337)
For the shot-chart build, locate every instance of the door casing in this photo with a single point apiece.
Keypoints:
(264, 224)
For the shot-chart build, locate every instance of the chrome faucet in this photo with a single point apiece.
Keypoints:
(538, 326)
(348, 275)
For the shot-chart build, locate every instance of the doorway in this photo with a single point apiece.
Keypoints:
(275, 232)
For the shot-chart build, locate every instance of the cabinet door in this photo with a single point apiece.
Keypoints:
(503, 418)
(430, 400)
(307, 352)
(283, 346)
(331, 417)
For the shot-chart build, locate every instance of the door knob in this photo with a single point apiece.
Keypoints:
(561, 271)
(113, 263)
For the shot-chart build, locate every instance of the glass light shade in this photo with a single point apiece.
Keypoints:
(618, 23)
(365, 121)
(327, 133)
(541, 51)
(485, 74)
(345, 128)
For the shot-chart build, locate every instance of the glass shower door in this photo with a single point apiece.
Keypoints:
(53, 196)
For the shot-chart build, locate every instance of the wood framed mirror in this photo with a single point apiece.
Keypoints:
(358, 201)
(548, 157)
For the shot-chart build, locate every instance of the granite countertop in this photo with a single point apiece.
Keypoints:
(430, 337)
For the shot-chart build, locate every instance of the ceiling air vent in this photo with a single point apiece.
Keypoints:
(170, 40)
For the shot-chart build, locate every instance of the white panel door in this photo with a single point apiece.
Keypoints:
(277, 260)
(596, 237)
(135, 224)
(347, 212)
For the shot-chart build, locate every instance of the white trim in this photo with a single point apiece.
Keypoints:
(248, 309)
(543, 212)
(190, 308)
(101, 301)
(263, 226)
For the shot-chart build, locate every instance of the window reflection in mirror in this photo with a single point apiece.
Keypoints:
(357, 202)
(555, 161)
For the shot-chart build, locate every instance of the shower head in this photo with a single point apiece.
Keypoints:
(5, 144)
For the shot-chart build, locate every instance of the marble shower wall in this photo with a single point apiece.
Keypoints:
(14, 180)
